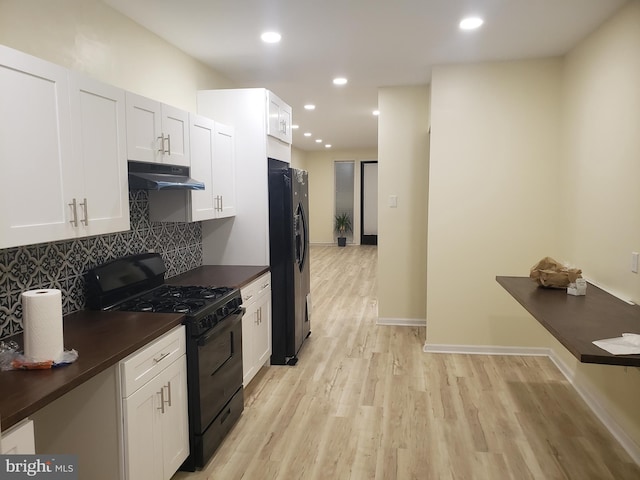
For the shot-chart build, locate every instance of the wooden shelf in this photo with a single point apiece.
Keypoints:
(576, 321)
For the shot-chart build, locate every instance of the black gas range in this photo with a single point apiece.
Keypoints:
(213, 320)
(204, 307)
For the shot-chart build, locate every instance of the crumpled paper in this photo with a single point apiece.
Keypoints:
(553, 274)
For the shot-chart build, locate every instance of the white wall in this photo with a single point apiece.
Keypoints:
(90, 37)
(403, 163)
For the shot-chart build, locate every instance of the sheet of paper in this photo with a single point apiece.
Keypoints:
(627, 344)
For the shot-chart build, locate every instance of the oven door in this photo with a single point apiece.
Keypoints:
(219, 354)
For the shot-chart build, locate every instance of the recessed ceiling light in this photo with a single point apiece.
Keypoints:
(309, 106)
(295, 127)
(340, 81)
(318, 140)
(307, 134)
(328, 145)
(376, 112)
(270, 37)
(470, 23)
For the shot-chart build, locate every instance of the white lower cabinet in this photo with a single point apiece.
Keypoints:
(154, 409)
(18, 440)
(256, 327)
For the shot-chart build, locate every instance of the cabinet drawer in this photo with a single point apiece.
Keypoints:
(141, 366)
(255, 288)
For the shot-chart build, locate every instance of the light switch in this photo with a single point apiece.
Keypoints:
(393, 201)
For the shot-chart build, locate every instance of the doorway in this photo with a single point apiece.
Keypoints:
(344, 191)
(369, 202)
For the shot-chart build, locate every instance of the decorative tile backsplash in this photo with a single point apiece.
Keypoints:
(62, 264)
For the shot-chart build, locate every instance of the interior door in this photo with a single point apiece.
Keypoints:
(369, 203)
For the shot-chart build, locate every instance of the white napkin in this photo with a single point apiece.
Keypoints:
(627, 344)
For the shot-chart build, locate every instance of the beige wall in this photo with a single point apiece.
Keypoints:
(602, 153)
(505, 137)
(492, 194)
(601, 159)
(320, 165)
(298, 158)
(403, 148)
(90, 37)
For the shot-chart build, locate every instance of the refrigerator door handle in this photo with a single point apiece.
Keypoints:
(302, 240)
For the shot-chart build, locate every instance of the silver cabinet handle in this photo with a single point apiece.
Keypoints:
(161, 138)
(161, 357)
(248, 298)
(257, 320)
(74, 211)
(169, 393)
(169, 144)
(161, 407)
(265, 285)
(221, 203)
(85, 220)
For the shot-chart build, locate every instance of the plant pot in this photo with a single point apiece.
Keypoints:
(342, 241)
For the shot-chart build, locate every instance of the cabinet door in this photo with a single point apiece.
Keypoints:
(224, 172)
(18, 440)
(143, 432)
(144, 129)
(175, 423)
(273, 115)
(175, 129)
(203, 202)
(279, 118)
(36, 151)
(249, 322)
(262, 334)
(285, 123)
(99, 145)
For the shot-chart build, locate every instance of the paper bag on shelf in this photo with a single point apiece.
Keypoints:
(553, 274)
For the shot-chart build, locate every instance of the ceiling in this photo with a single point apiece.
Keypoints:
(374, 43)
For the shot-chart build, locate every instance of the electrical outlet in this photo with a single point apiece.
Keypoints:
(634, 262)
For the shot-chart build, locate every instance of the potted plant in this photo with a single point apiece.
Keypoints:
(342, 225)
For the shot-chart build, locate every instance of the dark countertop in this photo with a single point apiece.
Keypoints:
(576, 321)
(101, 338)
(235, 276)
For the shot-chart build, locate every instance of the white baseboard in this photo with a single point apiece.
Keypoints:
(487, 350)
(588, 393)
(402, 322)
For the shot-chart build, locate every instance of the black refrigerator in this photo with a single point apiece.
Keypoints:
(289, 260)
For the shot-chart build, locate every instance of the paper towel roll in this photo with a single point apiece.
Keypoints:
(42, 321)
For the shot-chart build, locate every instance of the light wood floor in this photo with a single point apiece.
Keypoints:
(365, 402)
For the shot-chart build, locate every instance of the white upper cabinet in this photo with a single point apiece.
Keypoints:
(35, 151)
(278, 118)
(99, 145)
(156, 133)
(213, 163)
(203, 202)
(224, 172)
(49, 146)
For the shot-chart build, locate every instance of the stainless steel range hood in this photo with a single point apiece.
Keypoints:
(154, 176)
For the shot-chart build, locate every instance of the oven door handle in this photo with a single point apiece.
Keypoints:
(215, 332)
